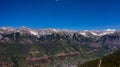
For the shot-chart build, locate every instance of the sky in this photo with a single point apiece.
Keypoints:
(61, 14)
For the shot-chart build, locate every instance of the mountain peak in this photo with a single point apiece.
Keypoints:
(7, 28)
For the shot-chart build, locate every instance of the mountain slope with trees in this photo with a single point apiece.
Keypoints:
(112, 60)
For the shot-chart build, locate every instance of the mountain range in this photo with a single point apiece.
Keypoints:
(25, 47)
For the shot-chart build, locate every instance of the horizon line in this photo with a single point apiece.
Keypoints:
(58, 28)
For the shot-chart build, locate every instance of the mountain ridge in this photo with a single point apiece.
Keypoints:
(20, 47)
(53, 30)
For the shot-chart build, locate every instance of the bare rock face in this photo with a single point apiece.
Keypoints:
(1, 37)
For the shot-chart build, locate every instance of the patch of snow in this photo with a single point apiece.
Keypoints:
(7, 28)
(54, 30)
(93, 33)
(49, 33)
(42, 33)
(101, 34)
(83, 33)
(106, 32)
(34, 32)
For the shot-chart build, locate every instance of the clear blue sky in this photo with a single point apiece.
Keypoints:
(70, 14)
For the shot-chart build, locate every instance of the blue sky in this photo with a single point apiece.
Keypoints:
(68, 14)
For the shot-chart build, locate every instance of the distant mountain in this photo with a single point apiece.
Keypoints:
(52, 30)
(112, 60)
(25, 47)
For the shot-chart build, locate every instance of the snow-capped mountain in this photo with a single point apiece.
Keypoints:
(49, 31)
(97, 33)
(46, 44)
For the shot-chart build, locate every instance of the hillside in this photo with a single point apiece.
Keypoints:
(112, 60)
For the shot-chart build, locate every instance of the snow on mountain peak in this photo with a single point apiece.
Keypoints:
(94, 33)
(7, 28)
(97, 32)
(34, 32)
(83, 33)
(49, 31)
(55, 30)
